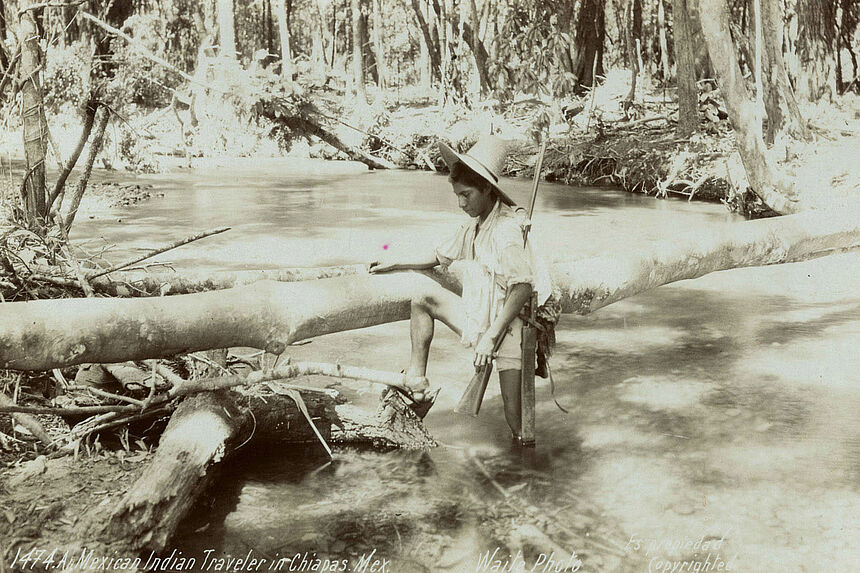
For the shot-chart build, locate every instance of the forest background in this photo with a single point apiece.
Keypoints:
(621, 85)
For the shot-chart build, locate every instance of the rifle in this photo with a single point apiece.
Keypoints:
(470, 402)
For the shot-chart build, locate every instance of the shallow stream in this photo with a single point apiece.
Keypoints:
(710, 421)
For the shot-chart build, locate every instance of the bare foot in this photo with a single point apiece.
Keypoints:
(416, 386)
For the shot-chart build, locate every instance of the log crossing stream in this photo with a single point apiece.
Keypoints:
(709, 419)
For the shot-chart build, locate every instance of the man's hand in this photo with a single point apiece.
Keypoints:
(484, 351)
(384, 264)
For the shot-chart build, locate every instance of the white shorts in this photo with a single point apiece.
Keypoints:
(510, 353)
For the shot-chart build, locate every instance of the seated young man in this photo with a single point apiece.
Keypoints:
(498, 271)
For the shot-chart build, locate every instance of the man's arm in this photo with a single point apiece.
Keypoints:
(418, 261)
(517, 296)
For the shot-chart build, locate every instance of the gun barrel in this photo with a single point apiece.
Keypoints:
(535, 184)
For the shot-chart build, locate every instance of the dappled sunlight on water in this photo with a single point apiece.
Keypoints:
(744, 424)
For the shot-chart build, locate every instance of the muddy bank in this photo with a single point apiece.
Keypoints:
(100, 198)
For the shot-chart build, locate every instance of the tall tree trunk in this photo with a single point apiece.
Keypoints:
(226, 29)
(664, 44)
(268, 26)
(777, 191)
(473, 39)
(432, 47)
(381, 71)
(590, 34)
(816, 40)
(4, 58)
(32, 119)
(283, 6)
(483, 28)
(204, 21)
(357, 54)
(847, 27)
(780, 103)
(441, 8)
(757, 71)
(367, 49)
(318, 42)
(333, 33)
(424, 72)
(688, 95)
(633, 38)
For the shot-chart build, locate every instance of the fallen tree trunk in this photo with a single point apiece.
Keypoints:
(309, 127)
(206, 428)
(45, 334)
(203, 432)
(200, 433)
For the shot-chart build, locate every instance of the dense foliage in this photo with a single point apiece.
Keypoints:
(468, 49)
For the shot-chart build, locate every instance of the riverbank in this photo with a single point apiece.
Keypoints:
(593, 142)
(99, 200)
(639, 152)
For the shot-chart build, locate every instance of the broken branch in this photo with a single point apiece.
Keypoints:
(158, 251)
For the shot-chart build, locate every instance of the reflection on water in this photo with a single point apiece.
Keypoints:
(308, 220)
(709, 420)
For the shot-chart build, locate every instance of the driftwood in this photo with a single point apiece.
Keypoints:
(182, 388)
(309, 127)
(207, 427)
(199, 434)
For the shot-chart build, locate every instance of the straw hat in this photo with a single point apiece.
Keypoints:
(486, 158)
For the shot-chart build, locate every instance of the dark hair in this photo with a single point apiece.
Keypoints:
(461, 173)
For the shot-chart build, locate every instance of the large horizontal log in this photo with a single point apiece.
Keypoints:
(45, 334)
(590, 284)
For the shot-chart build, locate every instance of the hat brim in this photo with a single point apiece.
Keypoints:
(451, 158)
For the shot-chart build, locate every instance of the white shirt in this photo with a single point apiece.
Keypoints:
(491, 258)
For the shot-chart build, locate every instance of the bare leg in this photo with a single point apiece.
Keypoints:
(435, 303)
(509, 382)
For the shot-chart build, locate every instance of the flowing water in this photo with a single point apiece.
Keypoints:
(712, 423)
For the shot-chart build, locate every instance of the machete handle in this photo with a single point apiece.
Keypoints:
(470, 403)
